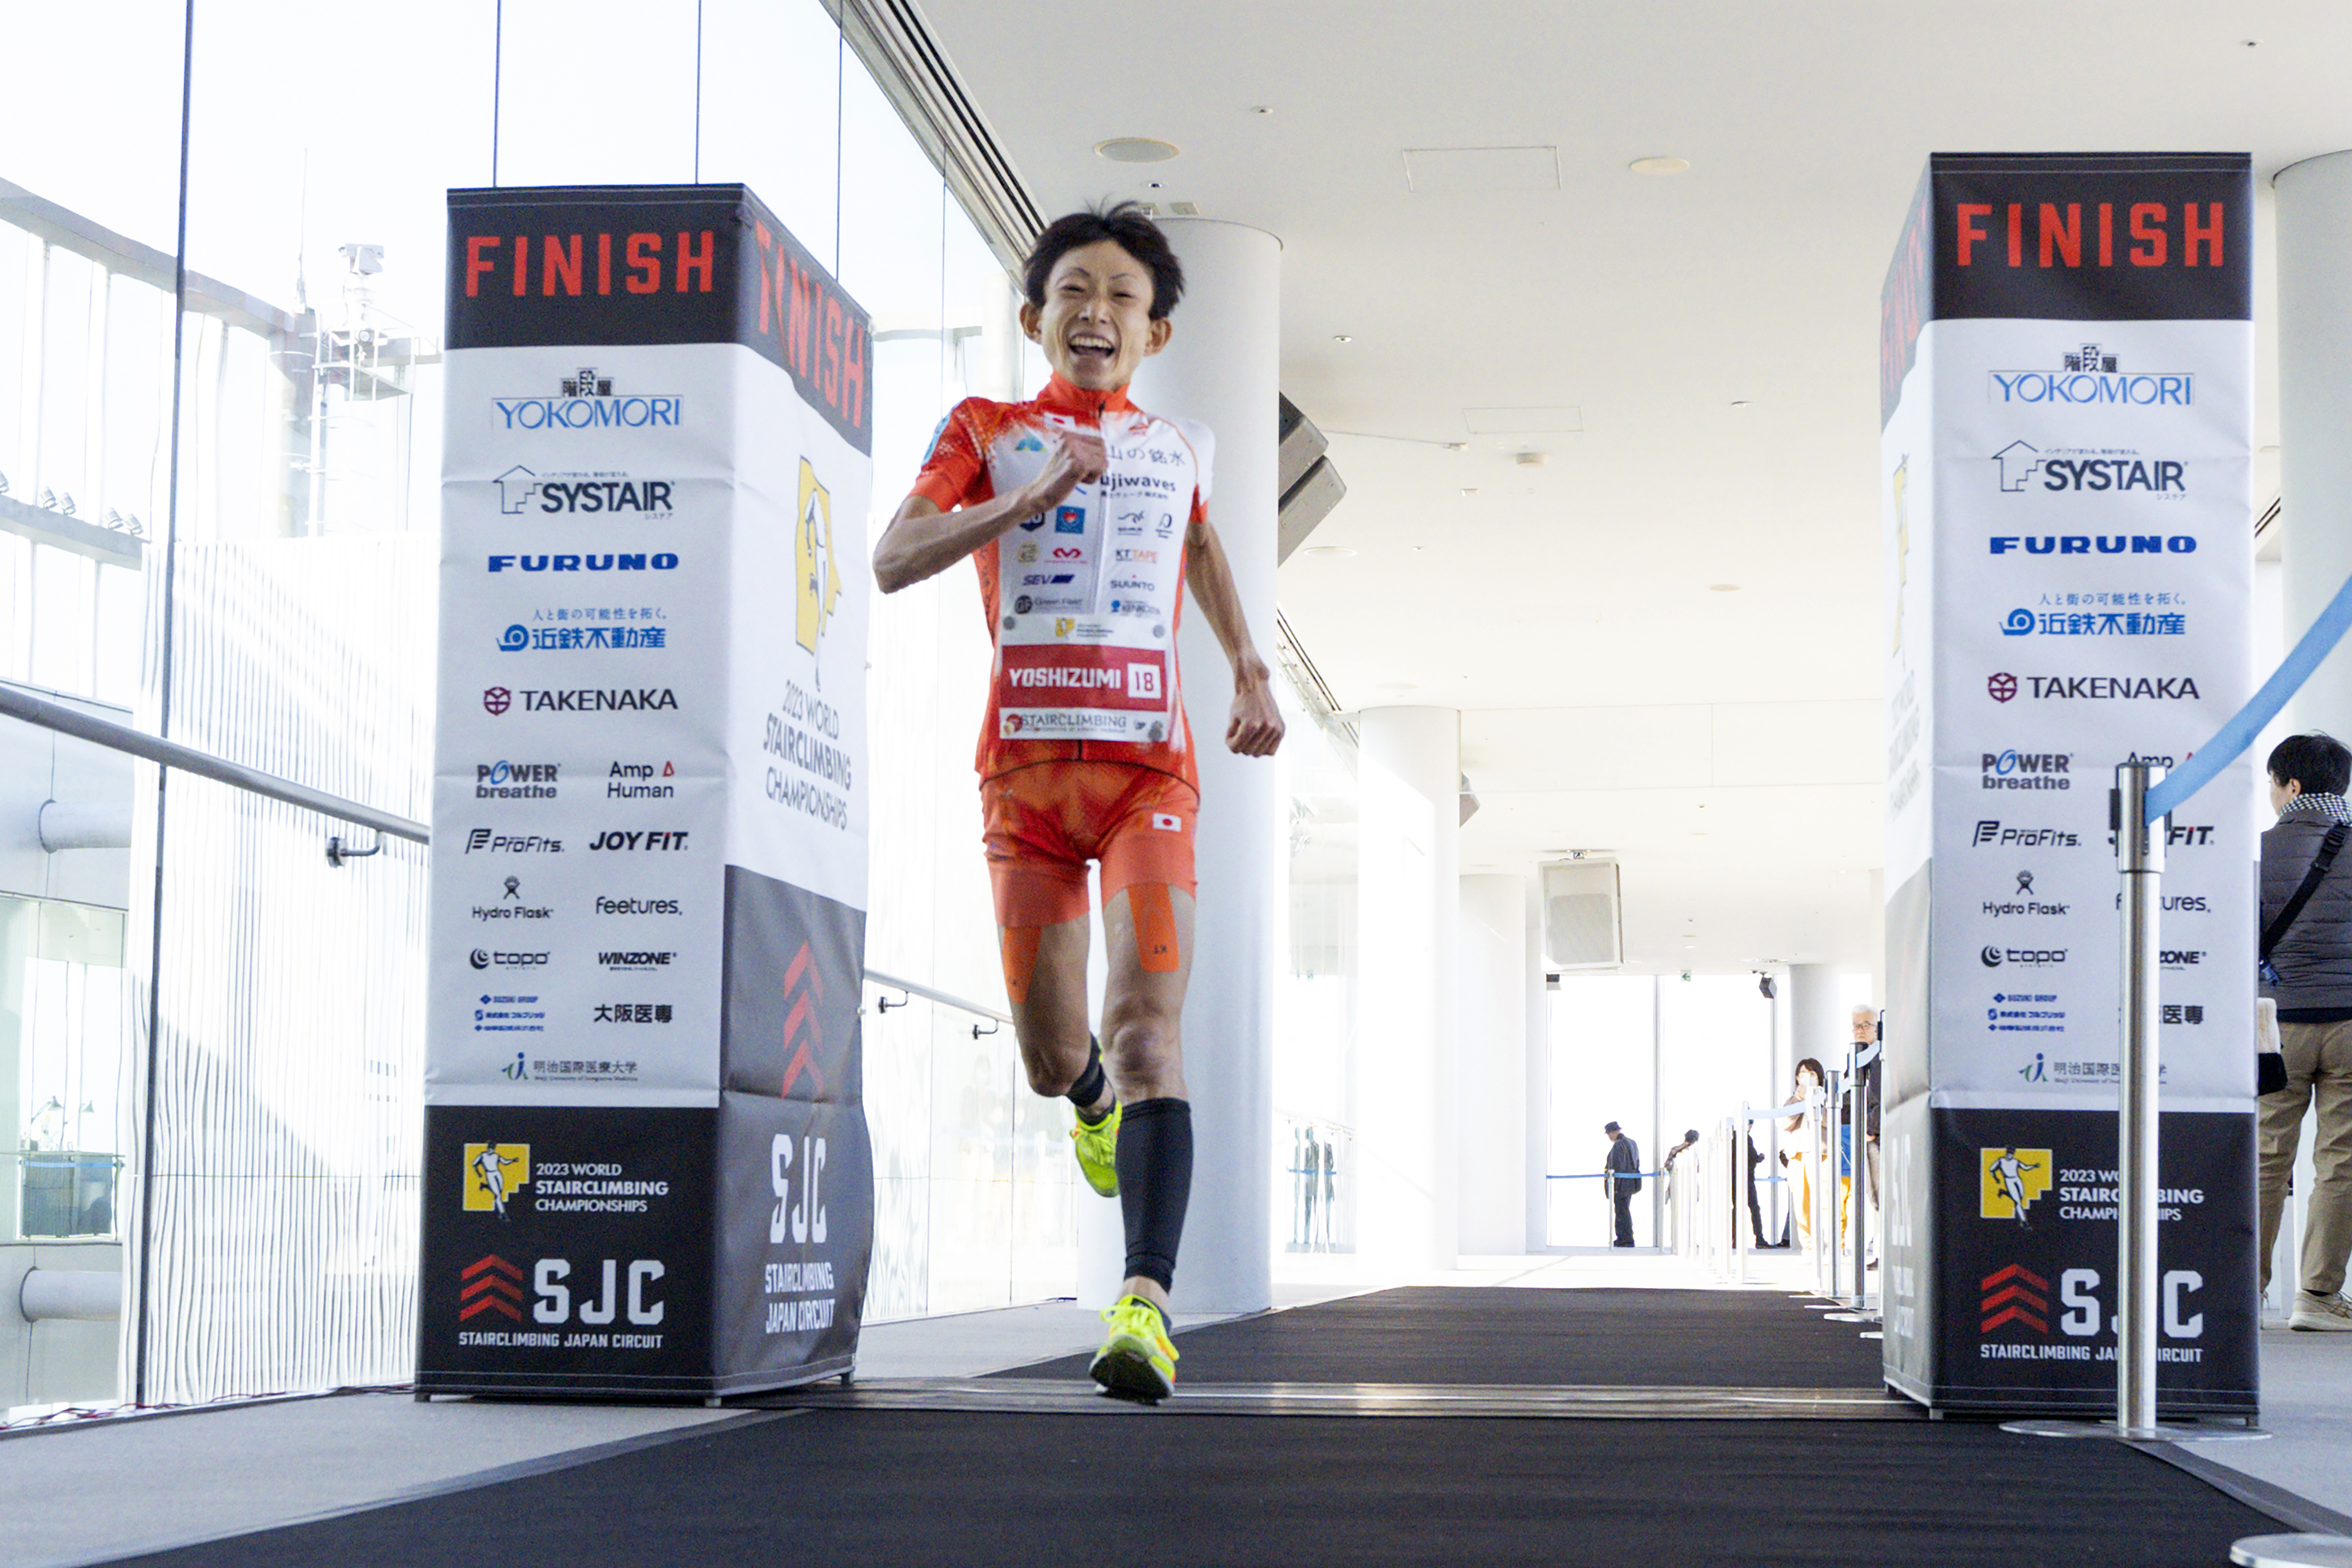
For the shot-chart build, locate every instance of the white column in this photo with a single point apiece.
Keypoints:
(2314, 339)
(1221, 368)
(1408, 836)
(1537, 1121)
(1490, 1125)
(1817, 1027)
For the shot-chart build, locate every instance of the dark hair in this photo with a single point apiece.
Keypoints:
(1821, 1074)
(2317, 762)
(1125, 225)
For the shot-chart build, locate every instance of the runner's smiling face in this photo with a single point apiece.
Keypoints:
(1096, 325)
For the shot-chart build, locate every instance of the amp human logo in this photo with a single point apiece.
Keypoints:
(2012, 1179)
(818, 577)
(495, 1172)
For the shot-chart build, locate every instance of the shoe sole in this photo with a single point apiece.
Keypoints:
(1109, 1192)
(1129, 1375)
(2324, 1326)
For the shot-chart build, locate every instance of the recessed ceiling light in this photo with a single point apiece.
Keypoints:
(1262, 109)
(1136, 150)
(1739, 403)
(1330, 552)
(1722, 587)
(1659, 165)
(1341, 338)
(1469, 489)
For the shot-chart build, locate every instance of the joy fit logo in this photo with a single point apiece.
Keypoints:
(817, 581)
(489, 1284)
(2020, 466)
(2010, 1180)
(494, 1173)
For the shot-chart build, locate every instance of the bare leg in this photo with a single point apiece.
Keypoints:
(1048, 988)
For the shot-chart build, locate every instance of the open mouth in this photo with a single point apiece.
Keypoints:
(1086, 348)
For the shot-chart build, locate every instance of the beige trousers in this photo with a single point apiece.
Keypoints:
(2318, 1073)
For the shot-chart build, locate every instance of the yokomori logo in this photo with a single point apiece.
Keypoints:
(816, 575)
(486, 958)
(2089, 376)
(2003, 688)
(495, 1172)
(2087, 470)
(586, 402)
(2026, 770)
(2009, 1179)
(522, 490)
(2014, 1295)
(2092, 544)
(2092, 623)
(512, 843)
(515, 781)
(591, 699)
(640, 962)
(521, 638)
(1989, 831)
(616, 561)
(641, 841)
(1993, 956)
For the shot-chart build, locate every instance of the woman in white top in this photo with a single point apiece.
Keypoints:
(1801, 1154)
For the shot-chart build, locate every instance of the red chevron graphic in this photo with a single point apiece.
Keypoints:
(2016, 1295)
(490, 1285)
(801, 1028)
(2018, 1315)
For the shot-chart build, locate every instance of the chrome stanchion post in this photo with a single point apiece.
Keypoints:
(1832, 1163)
(1740, 1169)
(1858, 1181)
(2140, 858)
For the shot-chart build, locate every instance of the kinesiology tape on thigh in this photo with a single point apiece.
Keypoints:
(1019, 947)
(1154, 917)
(1155, 1184)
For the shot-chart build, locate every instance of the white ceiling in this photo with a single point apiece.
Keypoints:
(1726, 744)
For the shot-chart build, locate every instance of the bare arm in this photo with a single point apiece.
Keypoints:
(1255, 728)
(923, 541)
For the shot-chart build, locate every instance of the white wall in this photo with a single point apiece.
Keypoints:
(1491, 980)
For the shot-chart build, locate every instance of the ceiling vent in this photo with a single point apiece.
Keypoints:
(1310, 485)
(1583, 917)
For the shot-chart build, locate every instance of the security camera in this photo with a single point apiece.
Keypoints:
(1764, 984)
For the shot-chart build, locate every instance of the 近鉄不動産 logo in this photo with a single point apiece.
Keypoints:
(2088, 377)
(586, 402)
(493, 1174)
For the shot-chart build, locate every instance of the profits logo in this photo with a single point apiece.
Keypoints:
(817, 576)
(2000, 688)
(1990, 831)
(2015, 1295)
(495, 1172)
(2011, 1178)
(489, 1284)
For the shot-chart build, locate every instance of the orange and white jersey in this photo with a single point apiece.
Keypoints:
(1082, 599)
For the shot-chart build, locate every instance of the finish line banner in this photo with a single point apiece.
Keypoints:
(2066, 390)
(646, 1162)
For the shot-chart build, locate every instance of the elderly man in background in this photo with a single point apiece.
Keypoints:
(2307, 969)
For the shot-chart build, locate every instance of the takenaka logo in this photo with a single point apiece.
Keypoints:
(489, 1285)
(2027, 770)
(515, 781)
(587, 493)
(2015, 1295)
(2096, 687)
(2000, 688)
(817, 576)
(586, 402)
(498, 843)
(495, 1172)
(1993, 957)
(498, 699)
(2012, 1179)
(611, 699)
(1990, 832)
(2086, 470)
(2088, 377)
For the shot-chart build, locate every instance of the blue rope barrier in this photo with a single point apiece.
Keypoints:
(2231, 739)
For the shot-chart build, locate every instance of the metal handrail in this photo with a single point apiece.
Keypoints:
(65, 721)
(944, 998)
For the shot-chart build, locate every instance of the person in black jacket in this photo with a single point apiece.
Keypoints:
(2310, 977)
(1623, 1173)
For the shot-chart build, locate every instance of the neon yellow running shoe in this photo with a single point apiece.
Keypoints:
(1136, 1361)
(1098, 1151)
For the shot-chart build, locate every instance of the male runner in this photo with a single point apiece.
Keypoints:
(1088, 518)
(2011, 1171)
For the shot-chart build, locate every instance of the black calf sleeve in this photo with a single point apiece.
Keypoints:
(1089, 1085)
(1155, 1183)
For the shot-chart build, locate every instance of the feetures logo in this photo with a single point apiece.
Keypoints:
(819, 579)
(2015, 1295)
(489, 1284)
(2013, 1179)
(495, 1172)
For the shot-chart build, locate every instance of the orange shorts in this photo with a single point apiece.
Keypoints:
(1042, 823)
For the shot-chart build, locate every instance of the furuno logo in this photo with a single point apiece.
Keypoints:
(483, 958)
(2026, 770)
(623, 561)
(817, 576)
(2070, 468)
(638, 962)
(586, 402)
(2015, 1295)
(2097, 688)
(2093, 543)
(610, 699)
(2022, 622)
(2090, 376)
(515, 781)
(1993, 957)
(495, 1172)
(2011, 1178)
(640, 840)
(1990, 831)
(489, 1284)
(518, 638)
(512, 843)
(520, 491)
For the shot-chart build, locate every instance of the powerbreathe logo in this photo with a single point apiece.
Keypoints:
(2027, 770)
